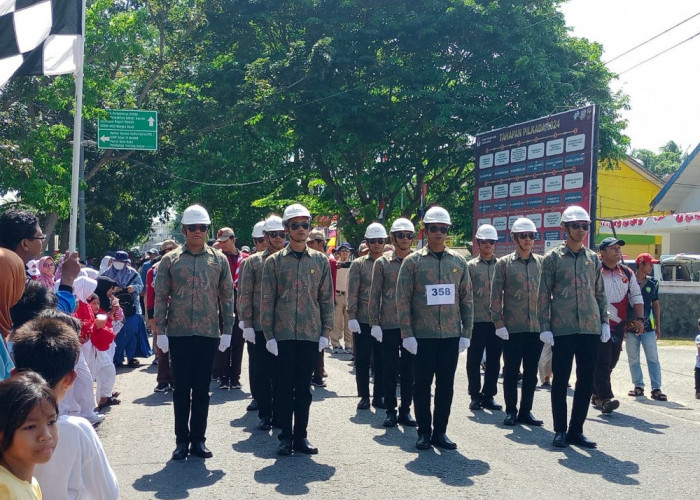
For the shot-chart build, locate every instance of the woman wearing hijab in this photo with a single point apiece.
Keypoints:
(47, 268)
(12, 279)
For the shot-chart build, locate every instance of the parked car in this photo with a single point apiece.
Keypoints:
(681, 267)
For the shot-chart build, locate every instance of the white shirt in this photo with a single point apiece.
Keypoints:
(78, 469)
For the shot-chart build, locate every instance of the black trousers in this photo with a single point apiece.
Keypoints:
(608, 356)
(366, 349)
(295, 364)
(697, 379)
(584, 348)
(435, 358)
(484, 337)
(525, 348)
(228, 363)
(252, 368)
(264, 377)
(395, 363)
(191, 359)
(319, 368)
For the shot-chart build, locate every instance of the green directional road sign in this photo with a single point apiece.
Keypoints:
(128, 129)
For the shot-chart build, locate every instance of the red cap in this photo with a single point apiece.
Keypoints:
(646, 258)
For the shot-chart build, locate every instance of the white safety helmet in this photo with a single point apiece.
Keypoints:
(273, 223)
(523, 225)
(258, 229)
(195, 214)
(574, 213)
(437, 215)
(486, 232)
(402, 224)
(375, 230)
(295, 210)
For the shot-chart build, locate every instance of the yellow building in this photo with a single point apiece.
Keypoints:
(624, 192)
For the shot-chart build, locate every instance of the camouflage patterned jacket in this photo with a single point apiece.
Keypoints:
(572, 295)
(359, 283)
(297, 296)
(382, 295)
(419, 274)
(481, 273)
(515, 293)
(188, 292)
(249, 288)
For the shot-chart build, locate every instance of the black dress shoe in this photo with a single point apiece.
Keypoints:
(198, 449)
(265, 424)
(304, 446)
(253, 406)
(180, 452)
(475, 404)
(529, 419)
(442, 441)
(390, 420)
(560, 440)
(406, 419)
(285, 447)
(580, 440)
(378, 403)
(510, 419)
(490, 404)
(363, 404)
(423, 442)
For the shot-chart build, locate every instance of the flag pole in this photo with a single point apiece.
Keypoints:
(77, 138)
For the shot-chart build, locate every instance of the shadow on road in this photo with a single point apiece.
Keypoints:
(622, 420)
(293, 474)
(451, 467)
(601, 464)
(179, 479)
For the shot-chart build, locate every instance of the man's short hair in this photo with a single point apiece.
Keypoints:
(16, 225)
(47, 346)
(36, 298)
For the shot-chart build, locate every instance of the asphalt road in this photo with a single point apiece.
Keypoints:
(645, 449)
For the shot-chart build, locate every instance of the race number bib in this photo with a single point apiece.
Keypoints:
(439, 295)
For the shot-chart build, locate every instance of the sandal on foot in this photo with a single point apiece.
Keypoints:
(107, 402)
(658, 395)
(116, 394)
(636, 392)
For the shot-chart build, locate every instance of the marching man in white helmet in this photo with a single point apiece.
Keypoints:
(514, 299)
(194, 281)
(435, 308)
(573, 314)
(484, 337)
(384, 322)
(359, 283)
(296, 314)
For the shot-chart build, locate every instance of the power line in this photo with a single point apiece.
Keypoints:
(660, 53)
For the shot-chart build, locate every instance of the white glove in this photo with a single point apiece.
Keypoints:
(377, 333)
(604, 333)
(249, 335)
(271, 346)
(502, 332)
(464, 344)
(411, 345)
(323, 342)
(162, 342)
(225, 342)
(241, 325)
(547, 338)
(354, 326)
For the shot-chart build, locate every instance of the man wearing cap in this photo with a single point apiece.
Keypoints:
(366, 346)
(228, 363)
(340, 322)
(514, 298)
(436, 310)
(484, 337)
(296, 313)
(384, 322)
(622, 291)
(249, 295)
(193, 285)
(573, 314)
(651, 331)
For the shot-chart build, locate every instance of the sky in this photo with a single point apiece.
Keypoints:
(664, 92)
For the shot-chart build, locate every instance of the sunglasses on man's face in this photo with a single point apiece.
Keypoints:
(403, 236)
(374, 241)
(486, 242)
(576, 225)
(202, 228)
(526, 236)
(435, 229)
(297, 225)
(258, 240)
(275, 234)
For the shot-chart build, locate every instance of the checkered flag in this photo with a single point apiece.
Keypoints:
(39, 37)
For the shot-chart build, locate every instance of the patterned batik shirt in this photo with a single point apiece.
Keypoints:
(481, 273)
(188, 292)
(359, 283)
(424, 311)
(297, 296)
(382, 295)
(250, 288)
(572, 294)
(515, 293)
